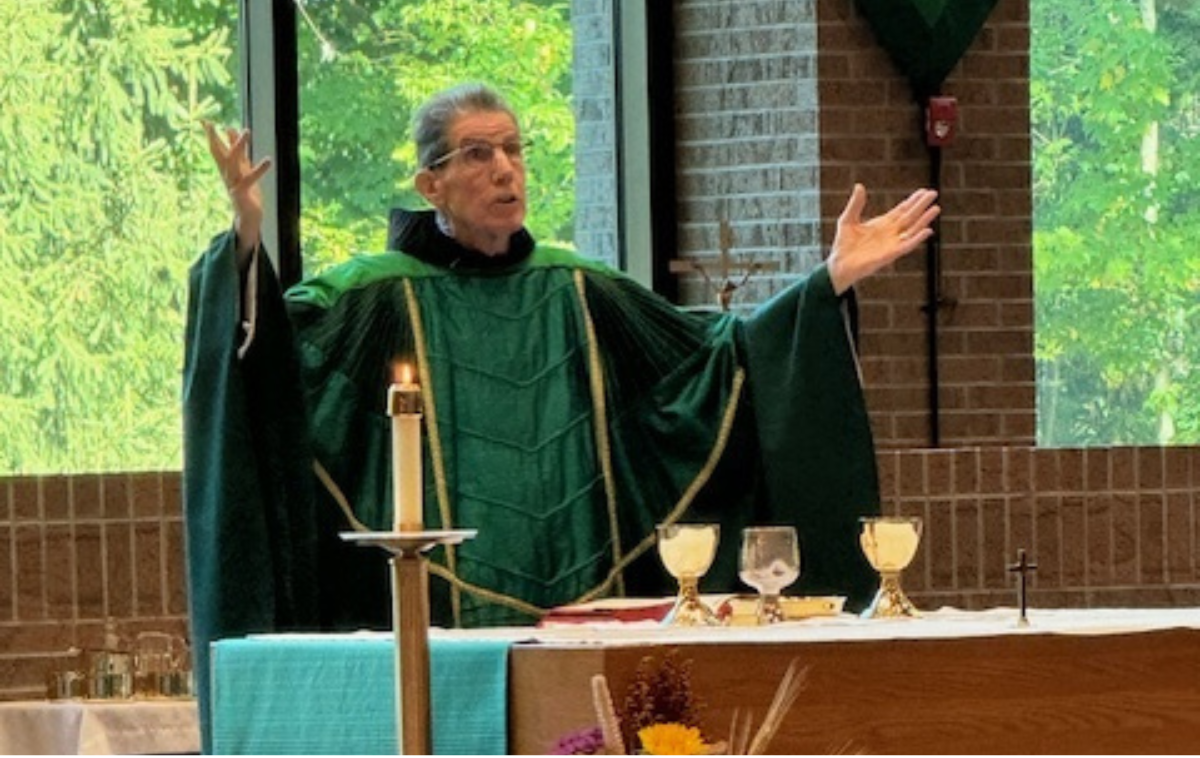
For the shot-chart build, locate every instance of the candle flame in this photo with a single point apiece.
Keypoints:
(402, 373)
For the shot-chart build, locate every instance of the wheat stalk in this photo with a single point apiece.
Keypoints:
(606, 714)
(739, 732)
(785, 695)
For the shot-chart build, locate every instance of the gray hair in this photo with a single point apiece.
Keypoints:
(431, 125)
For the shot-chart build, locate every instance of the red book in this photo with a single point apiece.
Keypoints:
(587, 614)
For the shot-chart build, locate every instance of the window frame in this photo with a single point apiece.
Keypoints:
(646, 215)
(271, 110)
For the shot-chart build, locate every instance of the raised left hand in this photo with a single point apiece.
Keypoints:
(860, 248)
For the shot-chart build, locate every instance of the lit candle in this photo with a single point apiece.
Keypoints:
(404, 406)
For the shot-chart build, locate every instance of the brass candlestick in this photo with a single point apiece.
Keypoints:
(410, 622)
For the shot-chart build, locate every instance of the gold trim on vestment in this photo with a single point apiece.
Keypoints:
(600, 426)
(435, 439)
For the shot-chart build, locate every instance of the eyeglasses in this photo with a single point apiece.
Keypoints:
(480, 153)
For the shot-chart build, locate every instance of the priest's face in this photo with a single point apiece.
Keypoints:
(479, 186)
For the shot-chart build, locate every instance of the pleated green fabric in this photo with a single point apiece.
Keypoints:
(534, 380)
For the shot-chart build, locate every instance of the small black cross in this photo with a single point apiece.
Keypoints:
(1023, 567)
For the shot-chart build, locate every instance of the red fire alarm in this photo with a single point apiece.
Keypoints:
(941, 117)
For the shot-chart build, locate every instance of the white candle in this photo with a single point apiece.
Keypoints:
(404, 406)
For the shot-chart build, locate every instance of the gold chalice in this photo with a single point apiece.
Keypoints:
(890, 542)
(687, 552)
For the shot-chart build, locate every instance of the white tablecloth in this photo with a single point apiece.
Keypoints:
(135, 727)
(945, 623)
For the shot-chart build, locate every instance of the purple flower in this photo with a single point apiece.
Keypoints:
(584, 742)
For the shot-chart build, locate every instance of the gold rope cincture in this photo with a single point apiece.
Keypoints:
(338, 496)
(685, 501)
(600, 426)
(492, 596)
(435, 439)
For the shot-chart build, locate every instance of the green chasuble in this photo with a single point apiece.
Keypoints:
(567, 412)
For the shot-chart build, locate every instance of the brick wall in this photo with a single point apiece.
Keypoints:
(870, 133)
(80, 551)
(1106, 526)
(748, 150)
(782, 106)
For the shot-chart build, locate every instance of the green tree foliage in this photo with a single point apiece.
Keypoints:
(365, 68)
(106, 194)
(1117, 215)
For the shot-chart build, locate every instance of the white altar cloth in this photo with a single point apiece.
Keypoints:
(96, 727)
(945, 623)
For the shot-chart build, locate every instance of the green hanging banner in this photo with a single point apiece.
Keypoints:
(926, 38)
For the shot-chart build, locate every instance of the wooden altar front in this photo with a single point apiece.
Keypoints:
(1103, 687)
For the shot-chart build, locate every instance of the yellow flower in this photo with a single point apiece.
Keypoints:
(672, 739)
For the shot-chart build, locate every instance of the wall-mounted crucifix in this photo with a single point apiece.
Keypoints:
(722, 281)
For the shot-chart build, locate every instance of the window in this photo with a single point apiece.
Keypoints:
(1116, 113)
(107, 194)
(365, 67)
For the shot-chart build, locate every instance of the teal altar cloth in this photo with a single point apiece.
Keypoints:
(335, 695)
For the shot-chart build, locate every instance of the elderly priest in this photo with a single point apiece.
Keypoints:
(567, 410)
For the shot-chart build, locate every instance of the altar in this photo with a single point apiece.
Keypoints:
(1074, 681)
(1095, 681)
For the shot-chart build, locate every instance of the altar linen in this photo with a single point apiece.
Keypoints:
(335, 695)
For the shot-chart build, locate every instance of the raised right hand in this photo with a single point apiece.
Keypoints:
(232, 156)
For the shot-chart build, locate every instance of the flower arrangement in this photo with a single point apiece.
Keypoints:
(661, 715)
